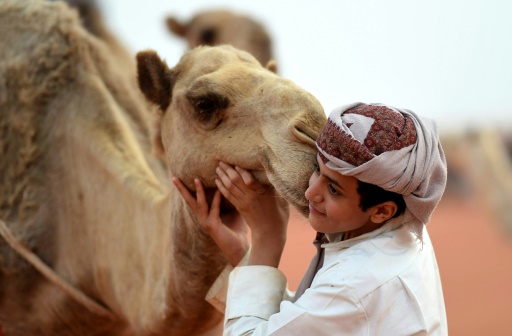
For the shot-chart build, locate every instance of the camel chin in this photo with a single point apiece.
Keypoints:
(298, 201)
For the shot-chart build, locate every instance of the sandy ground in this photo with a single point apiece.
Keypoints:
(474, 257)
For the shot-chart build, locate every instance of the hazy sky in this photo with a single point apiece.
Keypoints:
(448, 59)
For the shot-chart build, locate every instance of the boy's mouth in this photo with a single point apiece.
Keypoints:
(314, 211)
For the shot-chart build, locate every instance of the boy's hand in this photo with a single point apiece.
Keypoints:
(230, 233)
(264, 211)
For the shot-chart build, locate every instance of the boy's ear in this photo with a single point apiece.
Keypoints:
(383, 211)
(155, 78)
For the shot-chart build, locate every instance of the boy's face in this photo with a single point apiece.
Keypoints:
(334, 203)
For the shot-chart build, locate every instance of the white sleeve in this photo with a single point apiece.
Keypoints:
(255, 306)
(216, 295)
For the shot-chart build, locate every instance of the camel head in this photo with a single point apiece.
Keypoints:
(216, 27)
(219, 104)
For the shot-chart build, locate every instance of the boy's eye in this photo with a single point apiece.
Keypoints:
(333, 190)
(317, 167)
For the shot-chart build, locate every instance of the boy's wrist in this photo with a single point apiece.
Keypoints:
(270, 239)
(267, 251)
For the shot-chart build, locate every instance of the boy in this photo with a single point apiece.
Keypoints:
(381, 172)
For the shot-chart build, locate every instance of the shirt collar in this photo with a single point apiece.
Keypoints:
(336, 242)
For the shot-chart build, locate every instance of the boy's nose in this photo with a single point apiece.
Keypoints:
(312, 193)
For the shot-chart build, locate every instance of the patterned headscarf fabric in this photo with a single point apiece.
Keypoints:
(392, 148)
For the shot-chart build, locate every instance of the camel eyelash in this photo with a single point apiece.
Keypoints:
(209, 107)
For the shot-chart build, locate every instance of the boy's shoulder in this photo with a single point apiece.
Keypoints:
(373, 262)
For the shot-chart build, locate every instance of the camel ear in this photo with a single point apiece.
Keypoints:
(158, 144)
(155, 78)
(176, 27)
(272, 66)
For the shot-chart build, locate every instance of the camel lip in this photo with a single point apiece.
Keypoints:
(260, 175)
(300, 203)
(303, 210)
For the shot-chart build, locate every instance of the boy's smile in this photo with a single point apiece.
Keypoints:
(334, 204)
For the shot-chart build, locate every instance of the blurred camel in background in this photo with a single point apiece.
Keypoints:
(480, 166)
(214, 27)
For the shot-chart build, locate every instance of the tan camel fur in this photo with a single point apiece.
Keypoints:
(214, 27)
(81, 188)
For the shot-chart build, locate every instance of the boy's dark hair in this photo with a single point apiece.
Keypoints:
(372, 195)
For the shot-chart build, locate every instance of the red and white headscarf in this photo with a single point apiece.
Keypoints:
(392, 148)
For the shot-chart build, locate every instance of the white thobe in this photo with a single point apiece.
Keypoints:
(382, 283)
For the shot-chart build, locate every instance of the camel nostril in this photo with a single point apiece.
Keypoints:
(304, 134)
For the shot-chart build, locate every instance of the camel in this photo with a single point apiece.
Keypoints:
(481, 164)
(94, 239)
(216, 26)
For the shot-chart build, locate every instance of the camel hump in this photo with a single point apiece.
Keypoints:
(31, 73)
(35, 70)
(55, 79)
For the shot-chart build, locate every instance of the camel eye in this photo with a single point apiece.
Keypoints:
(209, 108)
(205, 105)
(208, 36)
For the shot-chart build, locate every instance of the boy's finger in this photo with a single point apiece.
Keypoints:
(250, 181)
(208, 223)
(230, 171)
(233, 175)
(248, 178)
(215, 209)
(224, 191)
(200, 196)
(228, 184)
(185, 193)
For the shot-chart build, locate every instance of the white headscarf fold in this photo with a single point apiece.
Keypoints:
(416, 171)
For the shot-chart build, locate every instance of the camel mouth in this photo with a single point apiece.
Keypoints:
(226, 207)
(291, 192)
(261, 176)
(299, 203)
(303, 210)
(288, 193)
(295, 197)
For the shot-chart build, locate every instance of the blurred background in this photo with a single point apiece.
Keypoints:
(450, 60)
